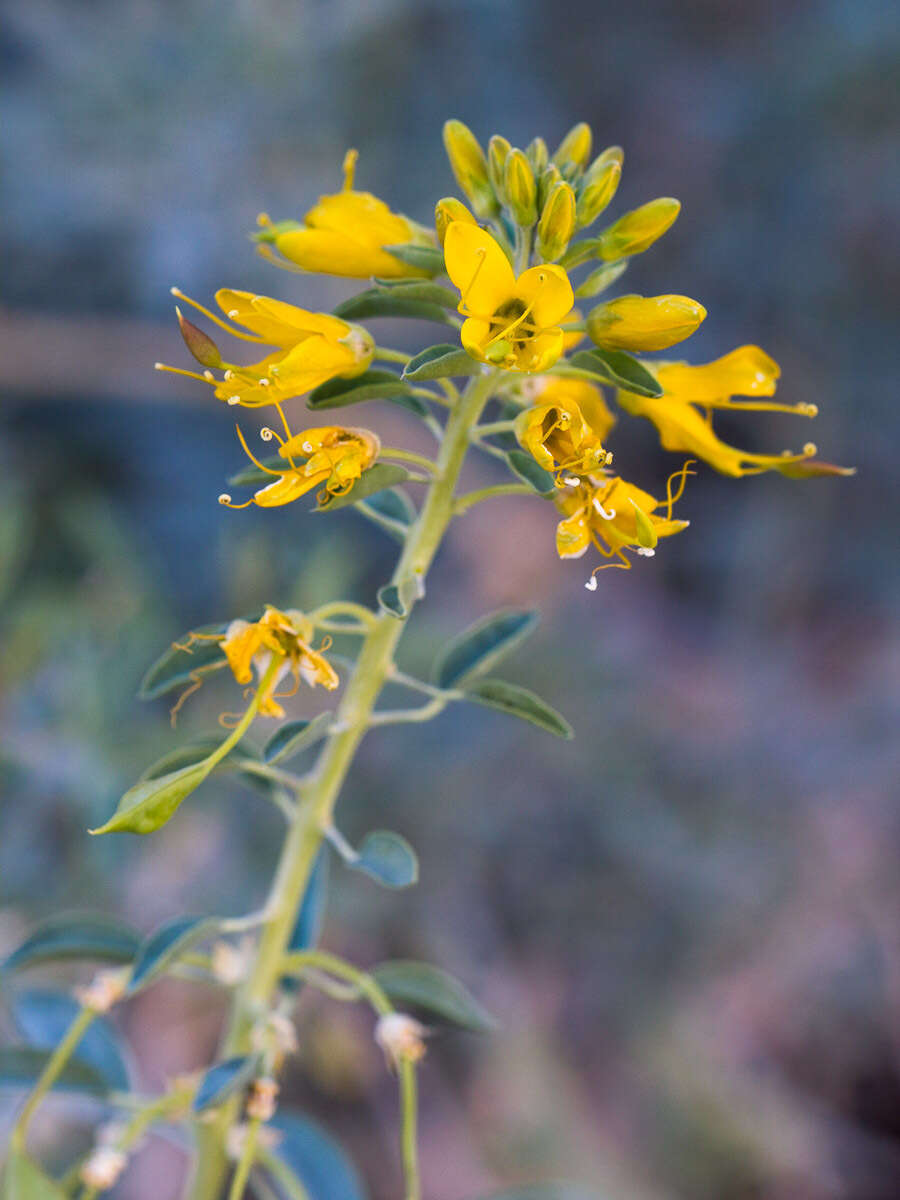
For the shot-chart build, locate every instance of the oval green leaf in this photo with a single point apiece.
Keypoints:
(223, 1080)
(295, 736)
(392, 510)
(165, 944)
(315, 1158)
(426, 258)
(376, 384)
(387, 858)
(482, 646)
(174, 668)
(94, 938)
(376, 479)
(420, 289)
(441, 362)
(23, 1180)
(422, 986)
(148, 805)
(619, 368)
(379, 303)
(525, 468)
(43, 1015)
(518, 702)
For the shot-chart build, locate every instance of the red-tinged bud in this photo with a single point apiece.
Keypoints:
(200, 344)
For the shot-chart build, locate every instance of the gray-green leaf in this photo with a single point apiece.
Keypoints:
(377, 302)
(482, 646)
(441, 362)
(315, 1158)
(20, 1066)
(518, 702)
(525, 468)
(43, 1015)
(426, 258)
(615, 366)
(223, 1080)
(376, 384)
(295, 736)
(392, 510)
(420, 985)
(94, 938)
(174, 668)
(23, 1180)
(164, 946)
(376, 479)
(387, 858)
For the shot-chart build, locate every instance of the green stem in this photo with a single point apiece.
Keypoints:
(51, 1072)
(409, 1107)
(386, 355)
(491, 427)
(408, 456)
(464, 503)
(245, 1162)
(314, 814)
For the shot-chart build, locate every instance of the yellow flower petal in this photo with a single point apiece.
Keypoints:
(548, 291)
(478, 268)
(746, 371)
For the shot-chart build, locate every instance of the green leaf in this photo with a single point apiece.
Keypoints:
(615, 366)
(294, 736)
(525, 468)
(376, 479)
(148, 805)
(223, 1080)
(311, 917)
(420, 289)
(426, 258)
(315, 1158)
(21, 1066)
(165, 945)
(43, 1015)
(441, 362)
(376, 384)
(253, 477)
(392, 510)
(482, 646)
(598, 281)
(438, 993)
(378, 303)
(398, 599)
(387, 858)
(23, 1180)
(518, 702)
(174, 668)
(96, 938)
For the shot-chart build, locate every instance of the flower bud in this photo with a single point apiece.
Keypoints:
(401, 1037)
(498, 149)
(603, 159)
(538, 154)
(550, 177)
(101, 1170)
(557, 223)
(470, 167)
(200, 344)
(639, 229)
(575, 146)
(447, 210)
(520, 188)
(597, 192)
(644, 322)
(646, 534)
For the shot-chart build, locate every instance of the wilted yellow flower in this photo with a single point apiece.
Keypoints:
(614, 516)
(331, 454)
(644, 322)
(682, 426)
(565, 427)
(312, 348)
(345, 234)
(514, 323)
(251, 645)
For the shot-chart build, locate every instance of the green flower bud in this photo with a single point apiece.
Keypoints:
(638, 230)
(447, 210)
(596, 193)
(520, 188)
(557, 223)
(575, 146)
(550, 177)
(470, 167)
(498, 149)
(538, 154)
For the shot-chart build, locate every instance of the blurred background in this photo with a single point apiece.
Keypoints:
(686, 918)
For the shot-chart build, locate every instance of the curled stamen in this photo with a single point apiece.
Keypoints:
(252, 456)
(267, 434)
(226, 501)
(233, 400)
(682, 476)
(601, 511)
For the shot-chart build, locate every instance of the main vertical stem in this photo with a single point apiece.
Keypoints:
(314, 814)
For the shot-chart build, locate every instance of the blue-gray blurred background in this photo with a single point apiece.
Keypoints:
(687, 918)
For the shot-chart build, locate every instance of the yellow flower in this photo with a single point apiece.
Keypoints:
(330, 455)
(345, 234)
(250, 646)
(644, 322)
(615, 516)
(311, 348)
(683, 426)
(447, 211)
(564, 429)
(514, 323)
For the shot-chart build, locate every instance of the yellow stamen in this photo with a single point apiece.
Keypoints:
(509, 328)
(247, 337)
(181, 371)
(481, 255)
(682, 475)
(252, 457)
(349, 169)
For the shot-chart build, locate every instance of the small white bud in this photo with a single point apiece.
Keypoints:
(104, 990)
(103, 1168)
(401, 1037)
